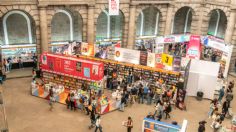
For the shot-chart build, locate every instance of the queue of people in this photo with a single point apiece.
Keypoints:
(217, 115)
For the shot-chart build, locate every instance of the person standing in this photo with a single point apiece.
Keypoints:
(86, 105)
(221, 94)
(7, 66)
(92, 119)
(225, 107)
(20, 63)
(129, 124)
(51, 101)
(68, 101)
(201, 127)
(98, 124)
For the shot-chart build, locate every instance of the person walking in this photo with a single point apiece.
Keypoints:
(92, 119)
(122, 103)
(20, 63)
(225, 107)
(98, 124)
(212, 108)
(68, 103)
(221, 94)
(86, 105)
(51, 101)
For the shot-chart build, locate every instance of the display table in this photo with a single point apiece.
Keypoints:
(105, 104)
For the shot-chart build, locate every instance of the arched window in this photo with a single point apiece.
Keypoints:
(183, 20)
(17, 28)
(148, 22)
(62, 27)
(217, 23)
(109, 27)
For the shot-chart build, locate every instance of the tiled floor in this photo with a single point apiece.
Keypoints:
(15, 73)
(26, 113)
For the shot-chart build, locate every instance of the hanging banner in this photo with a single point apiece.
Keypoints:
(127, 55)
(143, 58)
(193, 48)
(84, 48)
(114, 7)
(167, 59)
(177, 64)
(159, 49)
(173, 39)
(151, 59)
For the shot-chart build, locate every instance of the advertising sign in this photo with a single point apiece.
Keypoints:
(127, 55)
(177, 64)
(151, 59)
(167, 59)
(72, 66)
(173, 39)
(193, 48)
(114, 7)
(143, 57)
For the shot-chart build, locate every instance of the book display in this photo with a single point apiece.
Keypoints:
(149, 73)
(64, 75)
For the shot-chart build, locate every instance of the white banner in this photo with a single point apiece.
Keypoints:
(114, 7)
(151, 59)
(127, 55)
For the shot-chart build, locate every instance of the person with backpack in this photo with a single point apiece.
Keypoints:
(98, 124)
(129, 124)
(201, 127)
(221, 94)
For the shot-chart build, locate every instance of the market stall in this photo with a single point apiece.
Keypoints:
(64, 75)
(150, 125)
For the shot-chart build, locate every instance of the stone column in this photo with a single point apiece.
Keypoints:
(90, 25)
(132, 24)
(230, 26)
(169, 18)
(43, 29)
(200, 19)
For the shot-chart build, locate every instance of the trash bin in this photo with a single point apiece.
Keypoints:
(199, 95)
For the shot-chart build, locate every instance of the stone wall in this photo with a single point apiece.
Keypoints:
(201, 12)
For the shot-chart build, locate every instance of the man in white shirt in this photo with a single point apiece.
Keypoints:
(98, 124)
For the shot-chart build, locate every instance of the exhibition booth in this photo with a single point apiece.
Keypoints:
(150, 125)
(67, 74)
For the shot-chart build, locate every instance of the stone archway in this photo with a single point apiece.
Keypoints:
(148, 22)
(25, 33)
(217, 23)
(183, 20)
(109, 27)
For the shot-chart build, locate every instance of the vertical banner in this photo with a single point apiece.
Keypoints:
(143, 58)
(114, 7)
(193, 48)
(158, 61)
(151, 59)
(177, 64)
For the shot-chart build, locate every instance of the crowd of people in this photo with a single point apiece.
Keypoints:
(217, 115)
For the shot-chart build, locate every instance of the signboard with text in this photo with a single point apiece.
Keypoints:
(193, 48)
(114, 7)
(127, 55)
(72, 66)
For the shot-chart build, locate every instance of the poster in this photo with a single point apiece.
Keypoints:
(193, 48)
(143, 58)
(151, 59)
(177, 64)
(158, 61)
(167, 59)
(114, 7)
(95, 70)
(78, 66)
(84, 48)
(127, 55)
(86, 72)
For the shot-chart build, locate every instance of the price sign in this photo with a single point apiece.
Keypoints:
(167, 59)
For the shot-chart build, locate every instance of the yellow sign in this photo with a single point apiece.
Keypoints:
(167, 59)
